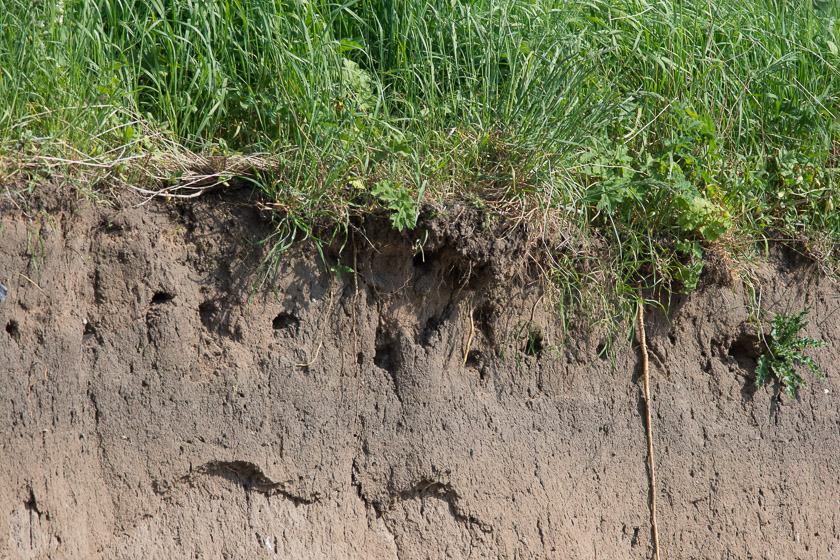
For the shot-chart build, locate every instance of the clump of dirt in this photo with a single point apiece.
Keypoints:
(157, 404)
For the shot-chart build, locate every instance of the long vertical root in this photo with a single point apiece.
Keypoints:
(321, 336)
(640, 334)
(470, 337)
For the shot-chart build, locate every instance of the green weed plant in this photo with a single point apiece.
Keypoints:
(400, 204)
(785, 352)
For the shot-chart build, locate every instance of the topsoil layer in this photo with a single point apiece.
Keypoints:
(158, 401)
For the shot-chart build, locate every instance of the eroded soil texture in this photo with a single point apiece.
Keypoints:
(159, 401)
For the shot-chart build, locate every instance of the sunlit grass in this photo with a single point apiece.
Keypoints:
(665, 128)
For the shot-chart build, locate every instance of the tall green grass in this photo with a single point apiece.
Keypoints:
(664, 127)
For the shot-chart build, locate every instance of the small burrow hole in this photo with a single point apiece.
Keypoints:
(32, 504)
(483, 317)
(473, 359)
(746, 349)
(108, 226)
(13, 329)
(422, 261)
(535, 343)
(430, 330)
(384, 357)
(162, 297)
(90, 331)
(207, 311)
(601, 350)
(285, 321)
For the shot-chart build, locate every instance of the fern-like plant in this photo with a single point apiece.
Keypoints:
(785, 352)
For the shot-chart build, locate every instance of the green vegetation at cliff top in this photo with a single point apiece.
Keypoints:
(665, 129)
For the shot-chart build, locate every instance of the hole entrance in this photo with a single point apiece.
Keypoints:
(285, 321)
(386, 355)
(473, 359)
(382, 358)
(89, 332)
(601, 350)
(207, 311)
(535, 343)
(13, 329)
(162, 297)
(32, 504)
(745, 350)
(429, 331)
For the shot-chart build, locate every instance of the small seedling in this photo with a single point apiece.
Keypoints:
(785, 352)
(398, 200)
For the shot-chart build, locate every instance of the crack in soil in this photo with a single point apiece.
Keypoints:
(250, 477)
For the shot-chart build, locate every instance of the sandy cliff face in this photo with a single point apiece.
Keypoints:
(154, 405)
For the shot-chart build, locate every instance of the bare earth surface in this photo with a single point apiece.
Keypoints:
(152, 407)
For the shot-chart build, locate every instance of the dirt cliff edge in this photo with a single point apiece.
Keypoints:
(156, 405)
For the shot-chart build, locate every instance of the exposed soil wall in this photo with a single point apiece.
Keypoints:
(155, 406)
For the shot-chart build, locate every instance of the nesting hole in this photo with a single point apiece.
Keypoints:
(90, 331)
(746, 349)
(13, 329)
(602, 350)
(384, 357)
(109, 227)
(484, 317)
(285, 322)
(429, 331)
(162, 297)
(207, 312)
(32, 504)
(535, 343)
(473, 359)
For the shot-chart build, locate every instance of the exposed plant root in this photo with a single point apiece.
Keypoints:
(355, 294)
(469, 339)
(321, 335)
(356, 337)
(640, 334)
(31, 281)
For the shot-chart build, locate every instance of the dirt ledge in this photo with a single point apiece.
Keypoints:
(156, 408)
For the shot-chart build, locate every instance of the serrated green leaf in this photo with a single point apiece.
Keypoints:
(784, 353)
